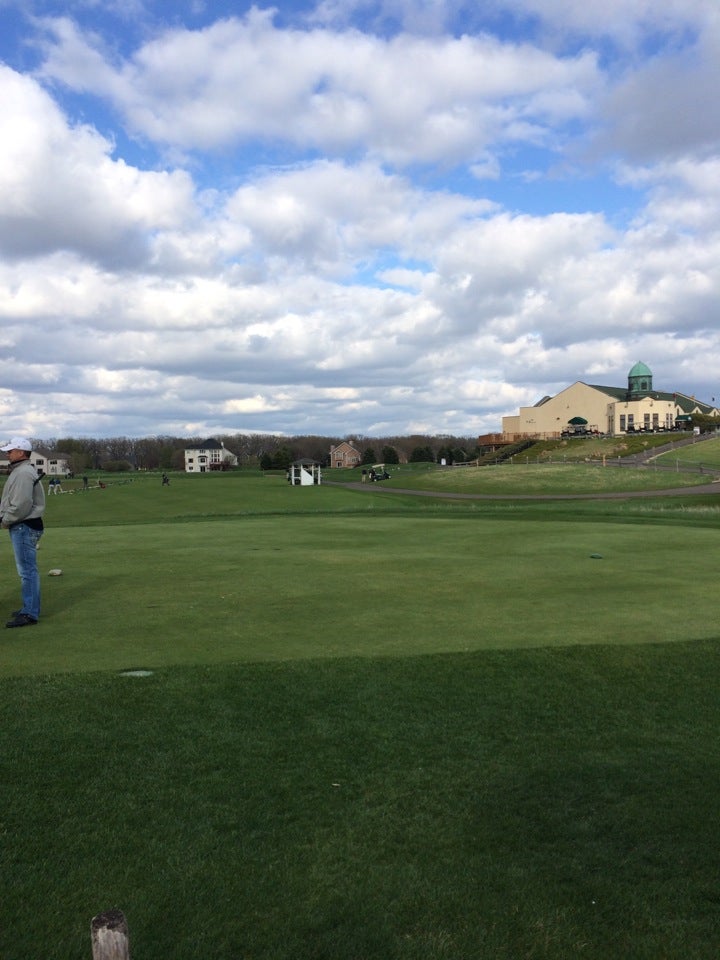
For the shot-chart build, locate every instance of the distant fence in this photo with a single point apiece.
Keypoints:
(647, 464)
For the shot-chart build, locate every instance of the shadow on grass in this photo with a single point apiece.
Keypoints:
(538, 803)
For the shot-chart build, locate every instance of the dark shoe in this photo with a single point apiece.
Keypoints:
(21, 620)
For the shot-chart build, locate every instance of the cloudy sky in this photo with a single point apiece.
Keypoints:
(348, 217)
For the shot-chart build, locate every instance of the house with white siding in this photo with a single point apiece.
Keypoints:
(208, 456)
(53, 464)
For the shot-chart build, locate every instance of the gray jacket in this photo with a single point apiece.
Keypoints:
(22, 498)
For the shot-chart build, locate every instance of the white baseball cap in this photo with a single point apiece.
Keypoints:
(17, 443)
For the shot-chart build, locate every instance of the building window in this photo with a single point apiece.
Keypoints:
(622, 422)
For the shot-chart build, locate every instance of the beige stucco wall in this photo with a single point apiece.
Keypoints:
(550, 419)
(601, 410)
(659, 413)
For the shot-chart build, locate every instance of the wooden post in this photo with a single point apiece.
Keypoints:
(109, 935)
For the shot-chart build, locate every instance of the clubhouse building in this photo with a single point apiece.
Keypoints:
(593, 409)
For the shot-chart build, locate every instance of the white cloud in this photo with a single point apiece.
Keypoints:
(628, 22)
(333, 218)
(683, 195)
(61, 189)
(386, 273)
(664, 108)
(406, 99)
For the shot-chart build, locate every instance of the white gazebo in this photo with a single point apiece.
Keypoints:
(304, 473)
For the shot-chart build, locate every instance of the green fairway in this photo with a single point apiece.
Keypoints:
(261, 588)
(373, 726)
(241, 569)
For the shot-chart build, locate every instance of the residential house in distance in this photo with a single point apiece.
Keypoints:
(54, 464)
(209, 455)
(344, 455)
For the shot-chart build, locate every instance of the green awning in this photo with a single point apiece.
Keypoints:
(578, 421)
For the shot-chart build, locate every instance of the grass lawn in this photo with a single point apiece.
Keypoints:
(580, 449)
(376, 727)
(532, 479)
(705, 452)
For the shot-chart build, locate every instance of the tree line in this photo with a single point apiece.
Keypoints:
(263, 450)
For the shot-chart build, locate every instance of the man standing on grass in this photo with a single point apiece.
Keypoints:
(21, 509)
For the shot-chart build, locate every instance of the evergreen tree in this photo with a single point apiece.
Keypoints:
(422, 455)
(282, 458)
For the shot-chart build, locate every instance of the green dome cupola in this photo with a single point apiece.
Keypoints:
(640, 379)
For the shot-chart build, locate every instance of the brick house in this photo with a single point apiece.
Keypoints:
(345, 455)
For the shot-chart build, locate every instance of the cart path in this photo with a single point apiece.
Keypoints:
(702, 490)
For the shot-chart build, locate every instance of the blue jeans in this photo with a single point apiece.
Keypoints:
(25, 541)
